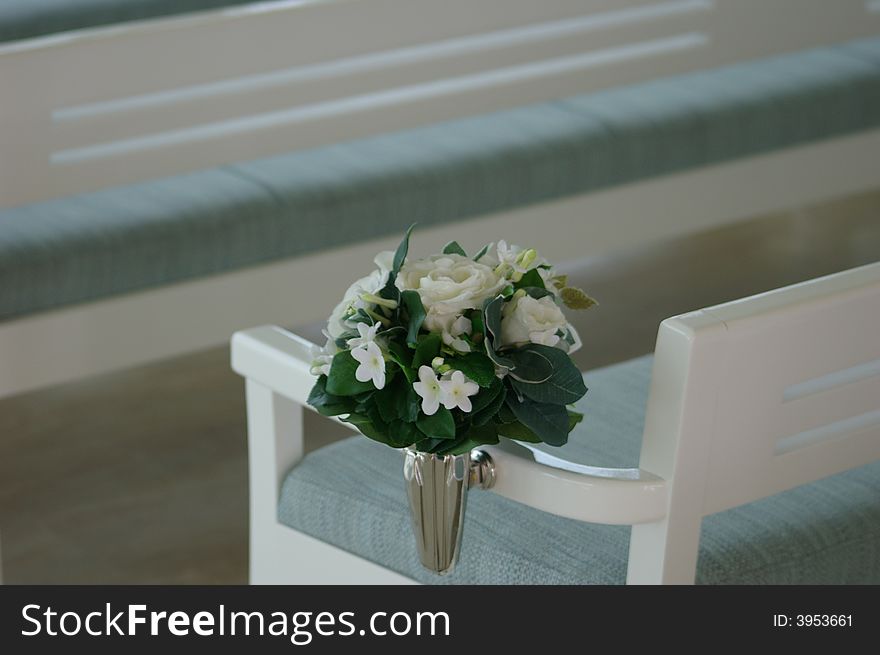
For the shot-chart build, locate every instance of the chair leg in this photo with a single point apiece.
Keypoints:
(664, 552)
(275, 444)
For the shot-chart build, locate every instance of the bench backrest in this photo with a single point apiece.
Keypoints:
(108, 106)
(759, 395)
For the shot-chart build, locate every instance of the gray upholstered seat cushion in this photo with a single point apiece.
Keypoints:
(23, 19)
(136, 237)
(351, 494)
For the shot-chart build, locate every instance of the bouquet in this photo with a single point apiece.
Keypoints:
(450, 352)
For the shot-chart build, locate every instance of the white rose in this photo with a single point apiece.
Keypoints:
(535, 320)
(371, 284)
(448, 285)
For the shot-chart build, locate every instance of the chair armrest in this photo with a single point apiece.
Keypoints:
(280, 360)
(275, 358)
(585, 493)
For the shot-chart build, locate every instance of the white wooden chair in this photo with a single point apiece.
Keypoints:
(723, 428)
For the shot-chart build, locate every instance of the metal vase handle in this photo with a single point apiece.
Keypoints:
(437, 487)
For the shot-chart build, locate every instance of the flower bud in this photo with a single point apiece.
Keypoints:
(527, 257)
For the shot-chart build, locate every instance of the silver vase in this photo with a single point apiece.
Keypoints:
(437, 487)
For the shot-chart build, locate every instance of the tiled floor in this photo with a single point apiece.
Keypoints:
(141, 476)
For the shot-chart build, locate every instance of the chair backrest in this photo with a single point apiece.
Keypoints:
(759, 395)
(109, 106)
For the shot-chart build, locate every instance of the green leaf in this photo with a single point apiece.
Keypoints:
(482, 252)
(564, 387)
(475, 437)
(537, 292)
(439, 426)
(398, 400)
(386, 402)
(361, 316)
(327, 404)
(342, 340)
(505, 415)
(492, 321)
(401, 252)
(573, 419)
(530, 278)
(390, 289)
(391, 292)
(402, 434)
(477, 326)
(486, 396)
(488, 411)
(452, 248)
(476, 366)
(530, 366)
(548, 422)
(410, 405)
(495, 357)
(416, 311)
(341, 381)
(367, 427)
(516, 430)
(403, 358)
(426, 351)
(492, 315)
(427, 445)
(575, 298)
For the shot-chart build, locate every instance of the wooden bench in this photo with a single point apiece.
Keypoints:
(768, 394)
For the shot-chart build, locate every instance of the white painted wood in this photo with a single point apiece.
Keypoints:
(154, 98)
(789, 337)
(676, 447)
(275, 444)
(279, 555)
(583, 493)
(718, 406)
(70, 343)
(711, 432)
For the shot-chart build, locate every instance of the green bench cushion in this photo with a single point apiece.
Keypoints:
(136, 237)
(351, 494)
(23, 19)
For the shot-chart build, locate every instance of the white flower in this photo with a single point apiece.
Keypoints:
(516, 258)
(429, 389)
(447, 286)
(508, 254)
(510, 261)
(351, 300)
(367, 335)
(372, 365)
(452, 337)
(526, 319)
(548, 275)
(323, 357)
(384, 260)
(456, 390)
